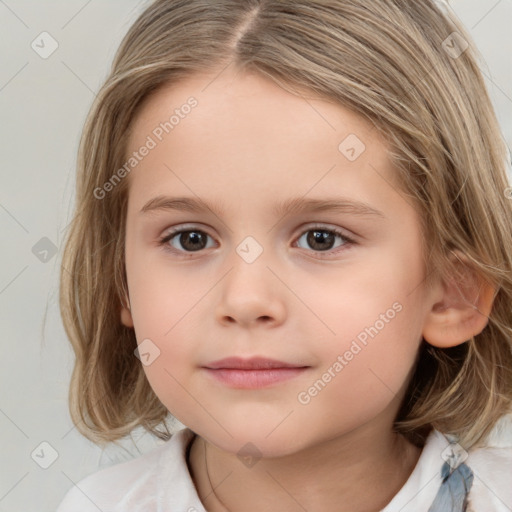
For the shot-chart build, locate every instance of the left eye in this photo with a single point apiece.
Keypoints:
(322, 239)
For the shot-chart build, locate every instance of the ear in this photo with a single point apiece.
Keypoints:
(460, 307)
(126, 314)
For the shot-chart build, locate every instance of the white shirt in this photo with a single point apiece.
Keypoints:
(159, 481)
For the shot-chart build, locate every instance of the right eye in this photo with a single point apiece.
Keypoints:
(190, 240)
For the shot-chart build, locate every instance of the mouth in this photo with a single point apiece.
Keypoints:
(253, 363)
(252, 373)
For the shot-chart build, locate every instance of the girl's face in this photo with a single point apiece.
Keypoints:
(249, 276)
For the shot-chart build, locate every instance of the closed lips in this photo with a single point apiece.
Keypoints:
(236, 363)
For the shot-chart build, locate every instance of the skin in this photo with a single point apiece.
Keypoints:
(247, 145)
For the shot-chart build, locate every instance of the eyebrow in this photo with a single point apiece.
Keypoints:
(280, 209)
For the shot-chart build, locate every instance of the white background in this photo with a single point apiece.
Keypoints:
(43, 104)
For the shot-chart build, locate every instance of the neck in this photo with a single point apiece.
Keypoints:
(356, 472)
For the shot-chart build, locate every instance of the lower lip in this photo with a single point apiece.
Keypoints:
(253, 379)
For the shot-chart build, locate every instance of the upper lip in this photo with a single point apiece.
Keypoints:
(253, 363)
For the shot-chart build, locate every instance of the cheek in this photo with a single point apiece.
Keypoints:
(175, 357)
(163, 298)
(374, 334)
(381, 340)
(360, 380)
(163, 318)
(165, 310)
(373, 302)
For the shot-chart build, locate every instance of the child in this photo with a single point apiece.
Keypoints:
(370, 374)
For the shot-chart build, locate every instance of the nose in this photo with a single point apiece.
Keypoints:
(251, 295)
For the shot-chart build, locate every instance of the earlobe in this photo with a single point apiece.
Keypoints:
(461, 307)
(126, 314)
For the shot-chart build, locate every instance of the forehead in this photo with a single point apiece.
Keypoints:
(235, 100)
(247, 134)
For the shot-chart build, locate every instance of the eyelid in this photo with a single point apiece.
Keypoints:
(187, 226)
(303, 228)
(171, 232)
(326, 226)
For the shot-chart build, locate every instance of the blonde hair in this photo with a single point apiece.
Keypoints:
(386, 60)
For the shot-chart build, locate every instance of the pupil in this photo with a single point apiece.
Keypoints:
(317, 240)
(194, 236)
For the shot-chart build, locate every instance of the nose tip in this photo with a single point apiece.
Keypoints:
(248, 293)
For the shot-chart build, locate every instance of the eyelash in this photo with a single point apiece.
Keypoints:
(348, 242)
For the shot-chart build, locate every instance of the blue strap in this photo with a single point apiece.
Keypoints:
(453, 493)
